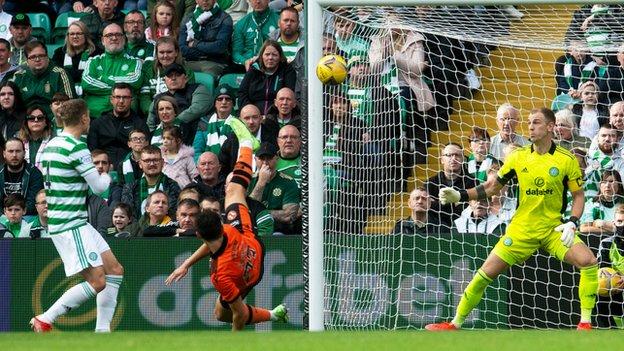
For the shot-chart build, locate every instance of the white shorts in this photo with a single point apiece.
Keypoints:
(80, 248)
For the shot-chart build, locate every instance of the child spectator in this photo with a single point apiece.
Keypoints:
(161, 22)
(12, 224)
(179, 162)
(122, 220)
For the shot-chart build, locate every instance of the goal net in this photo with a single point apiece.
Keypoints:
(425, 87)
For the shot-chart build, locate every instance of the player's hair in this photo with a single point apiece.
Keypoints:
(72, 110)
(32, 45)
(149, 197)
(188, 203)
(548, 114)
(15, 199)
(124, 207)
(479, 133)
(97, 152)
(209, 226)
(151, 149)
(190, 189)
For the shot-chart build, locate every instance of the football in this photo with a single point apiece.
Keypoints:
(609, 281)
(332, 69)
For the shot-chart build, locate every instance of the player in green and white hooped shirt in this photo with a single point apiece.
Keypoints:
(68, 174)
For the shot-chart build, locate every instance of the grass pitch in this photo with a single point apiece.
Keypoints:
(559, 340)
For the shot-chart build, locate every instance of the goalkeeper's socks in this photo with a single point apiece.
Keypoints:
(71, 299)
(588, 285)
(471, 298)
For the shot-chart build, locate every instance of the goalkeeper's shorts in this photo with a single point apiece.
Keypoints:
(516, 247)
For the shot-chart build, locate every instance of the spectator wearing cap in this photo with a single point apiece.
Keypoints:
(21, 33)
(112, 130)
(5, 22)
(276, 190)
(251, 31)
(289, 35)
(167, 52)
(284, 110)
(106, 12)
(266, 77)
(136, 44)
(39, 80)
(265, 133)
(194, 100)
(113, 66)
(205, 38)
(213, 131)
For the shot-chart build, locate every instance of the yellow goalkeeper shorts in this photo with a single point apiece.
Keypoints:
(516, 247)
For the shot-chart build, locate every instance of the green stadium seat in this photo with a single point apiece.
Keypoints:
(62, 22)
(206, 79)
(51, 47)
(41, 26)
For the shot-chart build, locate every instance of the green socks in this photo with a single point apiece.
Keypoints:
(587, 291)
(472, 296)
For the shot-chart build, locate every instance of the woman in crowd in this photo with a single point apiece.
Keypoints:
(600, 210)
(12, 109)
(74, 54)
(266, 77)
(179, 163)
(167, 52)
(35, 134)
(161, 22)
(566, 132)
(166, 110)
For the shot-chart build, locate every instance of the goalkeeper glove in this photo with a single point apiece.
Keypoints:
(568, 231)
(448, 196)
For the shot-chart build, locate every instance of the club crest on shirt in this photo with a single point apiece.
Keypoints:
(553, 171)
(277, 192)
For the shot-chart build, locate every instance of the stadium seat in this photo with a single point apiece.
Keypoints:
(41, 26)
(62, 22)
(205, 79)
(232, 79)
(51, 47)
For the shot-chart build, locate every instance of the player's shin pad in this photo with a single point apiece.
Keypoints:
(242, 168)
(471, 297)
(588, 285)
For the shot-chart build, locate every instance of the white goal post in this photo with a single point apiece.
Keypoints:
(315, 139)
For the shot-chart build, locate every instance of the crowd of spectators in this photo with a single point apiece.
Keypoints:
(151, 74)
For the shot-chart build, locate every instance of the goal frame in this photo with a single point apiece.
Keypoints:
(313, 148)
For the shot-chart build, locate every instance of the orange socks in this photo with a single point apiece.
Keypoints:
(258, 315)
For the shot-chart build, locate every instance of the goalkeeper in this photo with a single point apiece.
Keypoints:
(544, 172)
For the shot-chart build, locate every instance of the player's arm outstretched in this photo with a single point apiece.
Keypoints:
(181, 271)
(491, 187)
